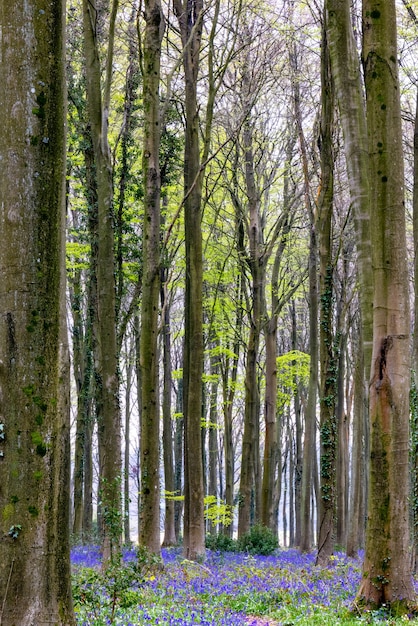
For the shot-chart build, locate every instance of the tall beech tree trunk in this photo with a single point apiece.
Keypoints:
(298, 455)
(34, 372)
(386, 569)
(252, 400)
(414, 399)
(189, 14)
(107, 379)
(309, 453)
(213, 447)
(127, 442)
(229, 378)
(345, 67)
(149, 531)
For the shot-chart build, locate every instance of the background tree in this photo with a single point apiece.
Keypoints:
(109, 426)
(34, 372)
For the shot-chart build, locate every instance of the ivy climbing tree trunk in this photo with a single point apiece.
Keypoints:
(386, 569)
(34, 362)
(149, 531)
(107, 378)
(327, 347)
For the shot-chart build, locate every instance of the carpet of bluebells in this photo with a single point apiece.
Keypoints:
(227, 589)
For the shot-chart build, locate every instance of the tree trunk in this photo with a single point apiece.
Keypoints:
(349, 91)
(252, 401)
(308, 454)
(228, 392)
(213, 448)
(271, 441)
(190, 18)
(357, 511)
(34, 373)
(327, 341)
(149, 532)
(127, 456)
(109, 431)
(387, 576)
(169, 520)
(298, 442)
(414, 402)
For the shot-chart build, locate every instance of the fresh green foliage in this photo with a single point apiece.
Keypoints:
(221, 543)
(116, 587)
(292, 370)
(259, 540)
(217, 512)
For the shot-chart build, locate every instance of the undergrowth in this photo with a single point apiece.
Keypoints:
(227, 589)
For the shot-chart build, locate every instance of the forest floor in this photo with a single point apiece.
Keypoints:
(228, 589)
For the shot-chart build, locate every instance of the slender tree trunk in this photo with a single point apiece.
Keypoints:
(271, 442)
(75, 290)
(357, 511)
(298, 441)
(309, 454)
(414, 402)
(343, 444)
(149, 532)
(213, 448)
(252, 401)
(386, 569)
(178, 461)
(107, 379)
(127, 455)
(328, 347)
(190, 17)
(34, 374)
(228, 390)
(169, 521)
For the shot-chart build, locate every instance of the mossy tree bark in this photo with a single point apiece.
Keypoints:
(149, 531)
(386, 568)
(107, 378)
(34, 365)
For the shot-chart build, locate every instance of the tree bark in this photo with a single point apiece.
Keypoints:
(327, 340)
(386, 569)
(149, 532)
(34, 361)
(190, 18)
(107, 379)
(169, 520)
